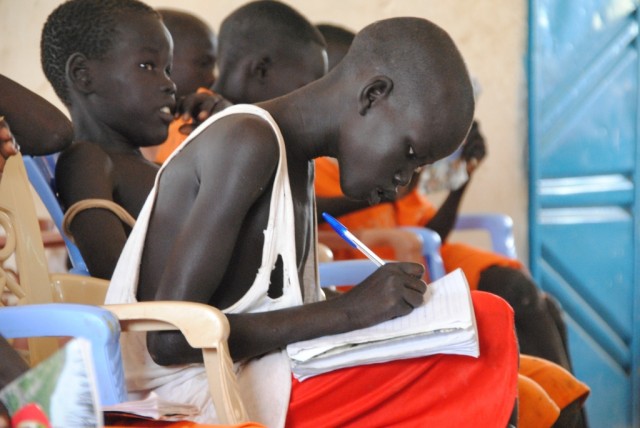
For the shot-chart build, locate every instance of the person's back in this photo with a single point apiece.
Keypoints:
(114, 112)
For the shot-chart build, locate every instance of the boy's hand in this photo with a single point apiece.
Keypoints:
(394, 290)
(8, 145)
(474, 149)
(199, 107)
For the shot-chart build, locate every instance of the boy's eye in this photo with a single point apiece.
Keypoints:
(147, 66)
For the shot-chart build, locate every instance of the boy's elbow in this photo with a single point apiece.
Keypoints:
(61, 137)
(169, 348)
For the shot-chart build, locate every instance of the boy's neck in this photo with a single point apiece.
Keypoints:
(86, 129)
(308, 130)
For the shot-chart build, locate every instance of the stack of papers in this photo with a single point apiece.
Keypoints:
(444, 324)
(156, 408)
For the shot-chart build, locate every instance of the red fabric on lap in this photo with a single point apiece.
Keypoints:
(438, 391)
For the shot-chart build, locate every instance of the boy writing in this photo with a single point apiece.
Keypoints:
(198, 238)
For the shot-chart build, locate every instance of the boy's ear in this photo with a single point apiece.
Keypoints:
(78, 73)
(260, 67)
(376, 89)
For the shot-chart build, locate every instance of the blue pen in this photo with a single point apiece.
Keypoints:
(351, 239)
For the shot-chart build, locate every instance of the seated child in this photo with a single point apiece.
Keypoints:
(92, 167)
(539, 332)
(201, 236)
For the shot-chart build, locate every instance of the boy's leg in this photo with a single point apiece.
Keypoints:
(538, 331)
(440, 390)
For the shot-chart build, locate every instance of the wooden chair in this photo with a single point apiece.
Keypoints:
(203, 326)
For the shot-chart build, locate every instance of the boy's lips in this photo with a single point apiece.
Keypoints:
(166, 115)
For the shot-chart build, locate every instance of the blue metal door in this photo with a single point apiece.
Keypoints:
(584, 194)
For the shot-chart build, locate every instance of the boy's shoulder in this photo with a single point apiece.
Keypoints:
(82, 155)
(241, 134)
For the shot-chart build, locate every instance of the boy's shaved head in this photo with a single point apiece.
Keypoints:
(263, 22)
(267, 49)
(194, 51)
(84, 26)
(426, 68)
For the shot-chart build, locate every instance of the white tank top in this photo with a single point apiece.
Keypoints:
(265, 382)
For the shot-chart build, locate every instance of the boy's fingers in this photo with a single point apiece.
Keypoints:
(414, 269)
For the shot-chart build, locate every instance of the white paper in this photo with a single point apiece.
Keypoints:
(445, 323)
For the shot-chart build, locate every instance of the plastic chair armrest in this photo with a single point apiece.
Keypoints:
(204, 327)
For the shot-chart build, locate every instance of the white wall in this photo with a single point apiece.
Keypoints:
(491, 35)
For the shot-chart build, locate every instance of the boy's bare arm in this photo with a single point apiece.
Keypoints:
(84, 172)
(232, 182)
(38, 126)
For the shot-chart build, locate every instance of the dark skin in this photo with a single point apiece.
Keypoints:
(202, 200)
(261, 78)
(199, 194)
(105, 161)
(194, 62)
(36, 123)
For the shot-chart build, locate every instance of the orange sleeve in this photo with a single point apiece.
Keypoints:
(473, 261)
(558, 382)
(414, 209)
(327, 184)
(535, 408)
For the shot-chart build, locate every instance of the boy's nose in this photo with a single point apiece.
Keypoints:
(169, 87)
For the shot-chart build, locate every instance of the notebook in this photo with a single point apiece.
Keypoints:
(444, 324)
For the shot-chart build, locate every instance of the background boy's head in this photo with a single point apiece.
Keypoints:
(194, 51)
(267, 49)
(413, 104)
(338, 40)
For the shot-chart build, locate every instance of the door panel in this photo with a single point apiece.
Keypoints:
(583, 112)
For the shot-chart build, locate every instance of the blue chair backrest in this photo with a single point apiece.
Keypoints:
(93, 323)
(41, 172)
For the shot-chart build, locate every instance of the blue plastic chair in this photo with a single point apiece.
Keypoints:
(41, 173)
(97, 325)
(498, 226)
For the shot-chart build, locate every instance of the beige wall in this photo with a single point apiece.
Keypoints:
(491, 35)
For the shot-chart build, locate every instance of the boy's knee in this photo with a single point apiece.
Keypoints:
(513, 285)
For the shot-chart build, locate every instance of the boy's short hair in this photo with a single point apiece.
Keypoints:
(257, 23)
(85, 26)
(425, 60)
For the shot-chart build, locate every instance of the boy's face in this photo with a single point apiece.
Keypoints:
(380, 150)
(133, 95)
(194, 60)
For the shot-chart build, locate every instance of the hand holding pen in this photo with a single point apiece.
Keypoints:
(396, 286)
